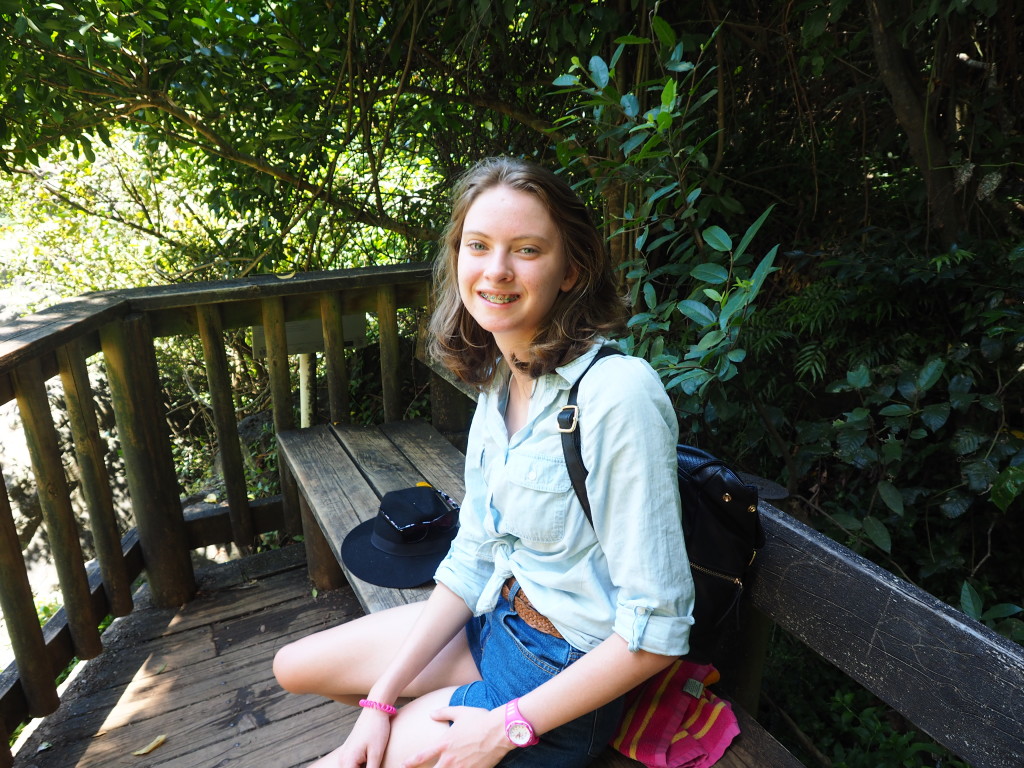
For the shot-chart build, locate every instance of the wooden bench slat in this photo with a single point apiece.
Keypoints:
(383, 467)
(440, 463)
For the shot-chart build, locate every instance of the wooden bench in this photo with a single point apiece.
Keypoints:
(951, 677)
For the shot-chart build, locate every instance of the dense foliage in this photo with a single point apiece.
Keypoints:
(816, 206)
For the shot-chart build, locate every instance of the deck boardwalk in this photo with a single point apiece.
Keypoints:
(202, 677)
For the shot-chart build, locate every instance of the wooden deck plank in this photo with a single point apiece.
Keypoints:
(203, 680)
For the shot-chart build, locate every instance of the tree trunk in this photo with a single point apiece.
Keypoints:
(909, 102)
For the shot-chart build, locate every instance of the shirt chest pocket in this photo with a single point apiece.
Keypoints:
(538, 493)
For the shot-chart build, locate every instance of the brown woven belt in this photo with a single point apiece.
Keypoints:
(524, 608)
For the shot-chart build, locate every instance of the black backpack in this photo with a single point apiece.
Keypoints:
(721, 525)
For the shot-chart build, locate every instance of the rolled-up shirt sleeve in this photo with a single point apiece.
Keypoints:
(629, 434)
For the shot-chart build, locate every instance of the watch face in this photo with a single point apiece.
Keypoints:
(519, 733)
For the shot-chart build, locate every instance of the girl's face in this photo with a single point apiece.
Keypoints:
(511, 266)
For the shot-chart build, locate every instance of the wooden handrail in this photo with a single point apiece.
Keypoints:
(122, 326)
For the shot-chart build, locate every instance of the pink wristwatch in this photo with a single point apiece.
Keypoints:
(518, 728)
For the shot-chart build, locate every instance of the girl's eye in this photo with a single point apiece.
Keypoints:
(529, 250)
(475, 246)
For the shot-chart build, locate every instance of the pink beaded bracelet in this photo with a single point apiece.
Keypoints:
(387, 709)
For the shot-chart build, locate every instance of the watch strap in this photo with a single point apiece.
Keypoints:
(514, 721)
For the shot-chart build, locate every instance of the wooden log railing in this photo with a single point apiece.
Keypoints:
(121, 327)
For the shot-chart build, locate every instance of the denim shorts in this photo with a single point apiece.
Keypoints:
(513, 659)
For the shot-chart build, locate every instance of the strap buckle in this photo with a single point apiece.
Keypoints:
(568, 418)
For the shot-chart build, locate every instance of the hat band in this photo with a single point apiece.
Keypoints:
(429, 546)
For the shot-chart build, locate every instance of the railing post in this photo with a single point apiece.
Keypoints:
(387, 322)
(78, 397)
(55, 501)
(307, 389)
(149, 466)
(6, 758)
(281, 394)
(324, 571)
(334, 357)
(35, 670)
(211, 331)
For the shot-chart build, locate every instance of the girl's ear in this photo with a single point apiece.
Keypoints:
(572, 274)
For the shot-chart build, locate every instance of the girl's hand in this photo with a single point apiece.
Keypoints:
(365, 743)
(476, 739)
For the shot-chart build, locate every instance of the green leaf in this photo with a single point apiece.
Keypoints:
(598, 71)
(878, 533)
(892, 451)
(1008, 485)
(632, 40)
(668, 98)
(715, 274)
(710, 339)
(649, 298)
(859, 377)
(631, 107)
(930, 373)
(980, 474)
(891, 496)
(955, 504)
(632, 143)
(849, 440)
(896, 409)
(970, 601)
(751, 231)
(1001, 611)
(697, 312)
(664, 31)
(717, 239)
(737, 301)
(966, 441)
(935, 416)
(694, 380)
(566, 80)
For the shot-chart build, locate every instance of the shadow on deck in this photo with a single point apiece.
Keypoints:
(201, 676)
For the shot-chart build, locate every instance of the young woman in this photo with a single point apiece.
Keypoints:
(540, 621)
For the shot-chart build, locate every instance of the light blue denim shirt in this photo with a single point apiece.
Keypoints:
(628, 573)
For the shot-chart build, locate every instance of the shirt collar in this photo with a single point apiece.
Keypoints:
(572, 370)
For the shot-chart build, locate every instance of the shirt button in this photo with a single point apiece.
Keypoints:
(532, 475)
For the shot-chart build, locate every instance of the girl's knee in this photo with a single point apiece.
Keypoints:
(288, 668)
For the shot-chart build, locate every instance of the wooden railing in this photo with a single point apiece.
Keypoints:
(121, 326)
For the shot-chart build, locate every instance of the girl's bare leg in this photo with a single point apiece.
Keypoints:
(342, 663)
(414, 729)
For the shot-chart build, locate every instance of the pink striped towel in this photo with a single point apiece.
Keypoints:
(673, 721)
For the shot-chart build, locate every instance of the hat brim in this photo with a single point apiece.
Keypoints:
(373, 566)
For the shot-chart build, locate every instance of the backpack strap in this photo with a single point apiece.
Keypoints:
(568, 425)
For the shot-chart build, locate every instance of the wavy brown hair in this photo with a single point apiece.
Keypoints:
(591, 308)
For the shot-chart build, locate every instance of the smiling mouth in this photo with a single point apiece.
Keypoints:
(499, 298)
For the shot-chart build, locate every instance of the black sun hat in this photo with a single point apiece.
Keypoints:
(402, 546)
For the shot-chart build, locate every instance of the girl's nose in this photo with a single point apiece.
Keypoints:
(499, 266)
